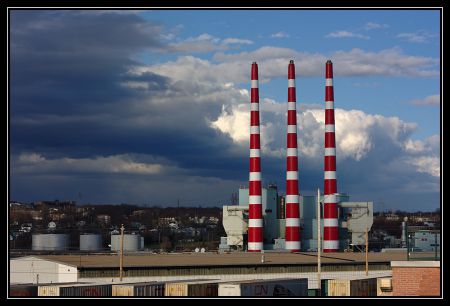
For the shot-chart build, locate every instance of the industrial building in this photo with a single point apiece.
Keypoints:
(353, 219)
(178, 266)
(266, 221)
(427, 241)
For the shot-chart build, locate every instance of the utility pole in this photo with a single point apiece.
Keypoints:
(121, 252)
(318, 242)
(367, 251)
(435, 245)
(407, 238)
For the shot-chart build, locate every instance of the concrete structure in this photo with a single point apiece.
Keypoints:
(330, 218)
(308, 221)
(34, 269)
(357, 217)
(90, 242)
(223, 246)
(50, 242)
(255, 222)
(426, 241)
(235, 223)
(269, 212)
(130, 242)
(292, 190)
(416, 278)
(353, 218)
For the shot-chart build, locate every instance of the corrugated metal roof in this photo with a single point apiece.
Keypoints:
(212, 259)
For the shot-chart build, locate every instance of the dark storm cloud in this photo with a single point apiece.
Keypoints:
(67, 63)
(72, 95)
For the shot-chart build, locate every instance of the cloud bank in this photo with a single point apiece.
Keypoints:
(88, 117)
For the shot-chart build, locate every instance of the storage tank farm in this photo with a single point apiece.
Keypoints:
(293, 227)
(131, 242)
(90, 242)
(50, 242)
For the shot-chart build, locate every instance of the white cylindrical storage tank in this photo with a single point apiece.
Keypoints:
(90, 242)
(50, 242)
(130, 242)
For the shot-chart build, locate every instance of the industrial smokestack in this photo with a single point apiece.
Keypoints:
(255, 222)
(330, 222)
(403, 234)
(292, 192)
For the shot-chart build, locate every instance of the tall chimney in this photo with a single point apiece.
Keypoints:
(292, 192)
(255, 222)
(330, 222)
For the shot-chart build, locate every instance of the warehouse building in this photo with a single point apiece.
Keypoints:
(166, 267)
(36, 269)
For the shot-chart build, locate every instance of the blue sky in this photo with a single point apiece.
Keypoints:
(151, 106)
(414, 32)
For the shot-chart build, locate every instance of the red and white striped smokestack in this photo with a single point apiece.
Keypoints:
(255, 222)
(330, 221)
(292, 194)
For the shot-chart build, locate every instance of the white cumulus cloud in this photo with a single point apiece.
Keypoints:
(358, 136)
(426, 164)
(280, 34)
(429, 100)
(420, 36)
(346, 34)
(374, 26)
(356, 62)
(232, 40)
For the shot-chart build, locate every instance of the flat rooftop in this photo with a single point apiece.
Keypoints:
(213, 259)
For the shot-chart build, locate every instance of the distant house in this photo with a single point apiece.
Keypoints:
(104, 219)
(392, 217)
(138, 213)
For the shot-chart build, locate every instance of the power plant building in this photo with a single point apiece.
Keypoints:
(269, 211)
(293, 217)
(353, 218)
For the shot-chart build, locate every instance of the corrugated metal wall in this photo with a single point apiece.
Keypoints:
(175, 271)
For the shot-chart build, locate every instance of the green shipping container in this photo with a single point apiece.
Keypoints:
(324, 287)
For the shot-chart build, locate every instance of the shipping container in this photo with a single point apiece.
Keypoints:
(384, 286)
(279, 287)
(194, 288)
(23, 290)
(139, 289)
(354, 287)
(324, 287)
(76, 290)
(363, 287)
